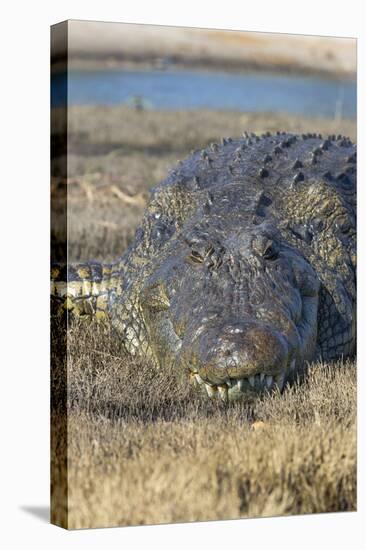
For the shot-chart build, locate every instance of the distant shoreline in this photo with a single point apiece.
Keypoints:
(109, 63)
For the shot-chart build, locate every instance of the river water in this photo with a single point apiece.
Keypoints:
(250, 92)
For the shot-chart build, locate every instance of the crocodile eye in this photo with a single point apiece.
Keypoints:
(265, 247)
(271, 251)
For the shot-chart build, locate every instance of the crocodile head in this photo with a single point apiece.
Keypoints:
(234, 306)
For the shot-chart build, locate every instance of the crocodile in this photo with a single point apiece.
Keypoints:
(243, 269)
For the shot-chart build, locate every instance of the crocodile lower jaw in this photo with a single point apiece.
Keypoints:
(235, 389)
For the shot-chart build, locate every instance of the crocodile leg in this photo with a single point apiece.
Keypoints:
(84, 289)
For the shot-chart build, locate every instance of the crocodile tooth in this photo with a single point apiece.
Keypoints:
(223, 392)
(252, 381)
(280, 380)
(293, 365)
(229, 383)
(269, 380)
(211, 390)
(262, 376)
(241, 384)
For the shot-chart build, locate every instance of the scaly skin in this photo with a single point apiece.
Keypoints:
(243, 268)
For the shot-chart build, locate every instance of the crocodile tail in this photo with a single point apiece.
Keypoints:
(83, 289)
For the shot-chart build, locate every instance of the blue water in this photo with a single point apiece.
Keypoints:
(305, 95)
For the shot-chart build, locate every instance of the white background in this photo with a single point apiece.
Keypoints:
(24, 237)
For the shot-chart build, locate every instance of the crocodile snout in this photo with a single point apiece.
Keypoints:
(244, 357)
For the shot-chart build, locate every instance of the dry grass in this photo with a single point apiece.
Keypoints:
(143, 447)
